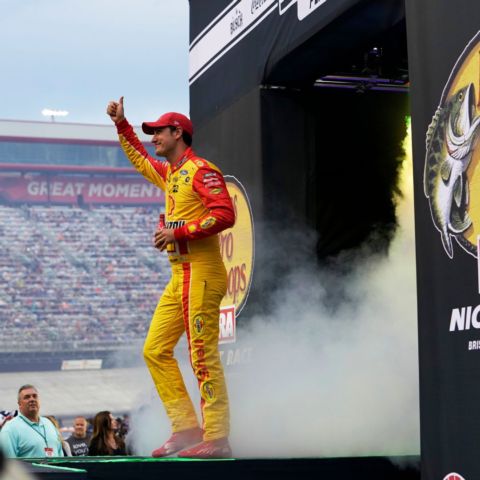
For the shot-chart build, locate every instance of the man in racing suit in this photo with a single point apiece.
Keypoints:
(197, 208)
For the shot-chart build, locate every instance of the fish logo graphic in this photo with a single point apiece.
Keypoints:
(452, 155)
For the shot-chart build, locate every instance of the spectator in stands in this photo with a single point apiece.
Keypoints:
(120, 428)
(67, 452)
(79, 440)
(46, 282)
(29, 434)
(5, 416)
(104, 441)
(90, 427)
(123, 426)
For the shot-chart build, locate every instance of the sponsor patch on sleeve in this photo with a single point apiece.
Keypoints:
(211, 178)
(213, 183)
(208, 222)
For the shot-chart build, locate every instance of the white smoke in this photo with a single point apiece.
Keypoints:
(334, 369)
(329, 382)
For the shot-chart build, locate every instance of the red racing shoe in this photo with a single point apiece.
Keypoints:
(178, 441)
(208, 449)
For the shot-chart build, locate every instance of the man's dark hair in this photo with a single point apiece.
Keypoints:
(186, 137)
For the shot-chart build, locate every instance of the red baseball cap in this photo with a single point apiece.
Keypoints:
(170, 119)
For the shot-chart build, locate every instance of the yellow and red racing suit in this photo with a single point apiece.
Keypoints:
(197, 207)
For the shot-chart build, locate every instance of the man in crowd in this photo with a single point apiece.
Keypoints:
(79, 440)
(28, 434)
(5, 416)
(197, 208)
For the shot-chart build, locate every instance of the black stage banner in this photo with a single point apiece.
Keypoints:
(444, 65)
(237, 45)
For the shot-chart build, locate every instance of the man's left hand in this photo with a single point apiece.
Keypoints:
(163, 237)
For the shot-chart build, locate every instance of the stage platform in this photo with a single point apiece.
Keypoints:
(54, 472)
(145, 468)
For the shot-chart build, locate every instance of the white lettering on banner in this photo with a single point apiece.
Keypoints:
(227, 324)
(108, 190)
(135, 191)
(474, 345)
(123, 190)
(57, 189)
(475, 322)
(37, 188)
(463, 318)
(237, 356)
(457, 320)
(95, 190)
(67, 189)
(228, 30)
(232, 25)
(468, 318)
(79, 188)
(306, 7)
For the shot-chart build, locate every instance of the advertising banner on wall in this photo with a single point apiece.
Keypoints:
(237, 247)
(444, 65)
(65, 189)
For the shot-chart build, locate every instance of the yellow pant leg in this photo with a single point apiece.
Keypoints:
(165, 330)
(206, 287)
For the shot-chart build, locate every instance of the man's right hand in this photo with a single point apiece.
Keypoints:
(163, 237)
(115, 111)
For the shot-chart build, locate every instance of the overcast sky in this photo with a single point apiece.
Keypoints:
(76, 55)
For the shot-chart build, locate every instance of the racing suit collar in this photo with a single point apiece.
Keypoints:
(187, 155)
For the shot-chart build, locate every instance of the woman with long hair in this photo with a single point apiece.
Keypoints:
(65, 446)
(104, 440)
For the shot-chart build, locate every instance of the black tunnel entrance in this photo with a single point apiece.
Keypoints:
(309, 114)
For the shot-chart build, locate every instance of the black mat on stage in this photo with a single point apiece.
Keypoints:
(43, 471)
(141, 468)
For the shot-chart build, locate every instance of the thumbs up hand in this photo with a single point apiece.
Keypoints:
(115, 110)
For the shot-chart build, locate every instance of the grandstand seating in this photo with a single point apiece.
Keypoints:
(73, 278)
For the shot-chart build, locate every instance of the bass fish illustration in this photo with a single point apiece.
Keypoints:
(450, 143)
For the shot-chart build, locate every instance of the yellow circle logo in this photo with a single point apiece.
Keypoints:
(237, 248)
(452, 177)
(208, 392)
